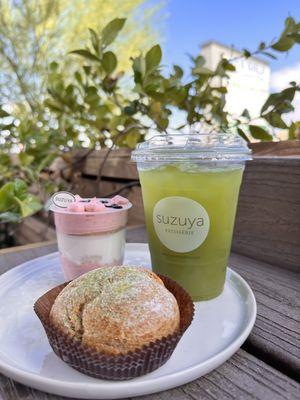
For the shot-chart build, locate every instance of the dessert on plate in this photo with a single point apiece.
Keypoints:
(90, 233)
(115, 322)
(116, 309)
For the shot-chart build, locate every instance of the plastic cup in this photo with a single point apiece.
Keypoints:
(90, 240)
(190, 187)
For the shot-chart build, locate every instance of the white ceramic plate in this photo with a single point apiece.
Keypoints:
(219, 328)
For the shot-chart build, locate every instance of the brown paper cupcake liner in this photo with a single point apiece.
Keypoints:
(100, 365)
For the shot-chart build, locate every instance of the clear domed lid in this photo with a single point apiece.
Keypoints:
(198, 147)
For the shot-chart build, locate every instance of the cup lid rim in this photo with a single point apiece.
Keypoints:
(197, 146)
(108, 210)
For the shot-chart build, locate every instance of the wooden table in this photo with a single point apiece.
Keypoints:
(267, 367)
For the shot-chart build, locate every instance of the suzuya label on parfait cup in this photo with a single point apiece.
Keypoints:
(62, 199)
(181, 224)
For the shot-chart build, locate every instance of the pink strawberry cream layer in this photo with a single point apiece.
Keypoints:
(72, 269)
(83, 218)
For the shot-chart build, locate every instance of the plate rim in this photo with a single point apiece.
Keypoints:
(113, 390)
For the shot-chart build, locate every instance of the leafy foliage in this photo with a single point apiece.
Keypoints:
(34, 33)
(97, 101)
(16, 202)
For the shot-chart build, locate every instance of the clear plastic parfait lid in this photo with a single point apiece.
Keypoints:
(197, 146)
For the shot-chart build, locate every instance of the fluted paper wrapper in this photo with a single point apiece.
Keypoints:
(99, 365)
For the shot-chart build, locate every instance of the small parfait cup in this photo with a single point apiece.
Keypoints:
(90, 239)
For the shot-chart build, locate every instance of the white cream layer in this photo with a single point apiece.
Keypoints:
(100, 248)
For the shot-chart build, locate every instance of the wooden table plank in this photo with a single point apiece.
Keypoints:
(13, 256)
(243, 377)
(276, 334)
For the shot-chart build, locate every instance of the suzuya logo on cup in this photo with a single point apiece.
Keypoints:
(63, 199)
(181, 224)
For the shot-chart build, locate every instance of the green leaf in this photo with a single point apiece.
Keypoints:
(275, 120)
(86, 54)
(29, 205)
(31, 173)
(202, 71)
(87, 69)
(25, 159)
(289, 23)
(243, 135)
(92, 97)
(260, 133)
(283, 44)
(94, 40)
(295, 37)
(228, 66)
(276, 99)
(177, 96)
(139, 68)
(178, 71)
(162, 123)
(4, 159)
(292, 132)
(53, 105)
(246, 114)
(221, 89)
(199, 61)
(78, 77)
(130, 110)
(3, 113)
(151, 84)
(20, 188)
(70, 91)
(111, 30)
(294, 129)
(33, 203)
(6, 196)
(109, 62)
(132, 138)
(11, 194)
(281, 99)
(53, 66)
(153, 58)
(246, 53)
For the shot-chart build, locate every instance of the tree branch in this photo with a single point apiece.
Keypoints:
(22, 85)
(102, 165)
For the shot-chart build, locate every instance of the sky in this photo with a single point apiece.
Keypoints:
(241, 23)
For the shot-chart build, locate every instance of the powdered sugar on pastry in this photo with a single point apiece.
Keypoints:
(116, 309)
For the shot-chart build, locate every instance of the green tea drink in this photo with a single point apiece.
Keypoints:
(188, 243)
(190, 199)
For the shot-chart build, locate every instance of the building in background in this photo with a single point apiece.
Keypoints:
(248, 87)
